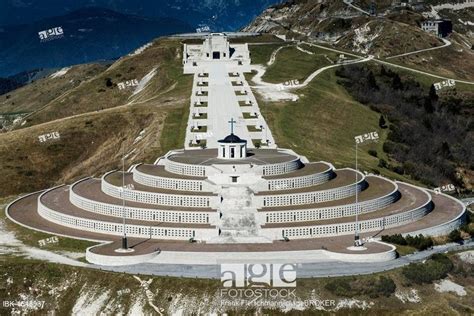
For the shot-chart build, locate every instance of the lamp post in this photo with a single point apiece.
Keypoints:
(373, 136)
(124, 237)
(356, 233)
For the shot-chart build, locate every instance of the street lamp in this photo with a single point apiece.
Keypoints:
(356, 233)
(124, 237)
(124, 247)
(373, 136)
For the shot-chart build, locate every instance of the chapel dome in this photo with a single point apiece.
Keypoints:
(232, 138)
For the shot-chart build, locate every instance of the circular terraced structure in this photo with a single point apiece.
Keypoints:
(190, 207)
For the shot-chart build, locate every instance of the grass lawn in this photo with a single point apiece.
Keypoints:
(202, 105)
(252, 128)
(247, 115)
(405, 250)
(174, 130)
(202, 116)
(260, 54)
(293, 64)
(242, 103)
(202, 129)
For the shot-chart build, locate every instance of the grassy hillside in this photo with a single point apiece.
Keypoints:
(101, 91)
(89, 144)
(97, 123)
(39, 93)
(292, 63)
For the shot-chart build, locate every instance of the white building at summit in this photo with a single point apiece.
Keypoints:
(216, 47)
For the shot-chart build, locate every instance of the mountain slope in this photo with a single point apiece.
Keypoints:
(390, 33)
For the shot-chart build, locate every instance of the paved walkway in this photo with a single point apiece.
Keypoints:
(222, 107)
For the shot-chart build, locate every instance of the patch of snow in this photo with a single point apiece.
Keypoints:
(454, 6)
(141, 49)
(433, 14)
(7, 238)
(466, 22)
(139, 137)
(144, 81)
(60, 72)
(409, 296)
(449, 286)
(467, 256)
(353, 303)
(363, 38)
(89, 304)
(137, 307)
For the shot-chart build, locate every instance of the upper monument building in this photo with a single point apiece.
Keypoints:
(216, 47)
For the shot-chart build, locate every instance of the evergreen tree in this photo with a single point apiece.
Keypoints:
(382, 122)
(371, 80)
(397, 82)
(428, 105)
(445, 151)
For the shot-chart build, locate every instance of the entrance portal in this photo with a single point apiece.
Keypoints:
(216, 55)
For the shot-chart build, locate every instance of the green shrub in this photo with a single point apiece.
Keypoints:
(385, 286)
(340, 287)
(455, 236)
(373, 152)
(435, 268)
(383, 163)
(395, 239)
(419, 242)
(370, 286)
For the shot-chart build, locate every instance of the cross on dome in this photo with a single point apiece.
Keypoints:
(232, 122)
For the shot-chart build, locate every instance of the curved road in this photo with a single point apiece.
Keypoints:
(392, 64)
(446, 44)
